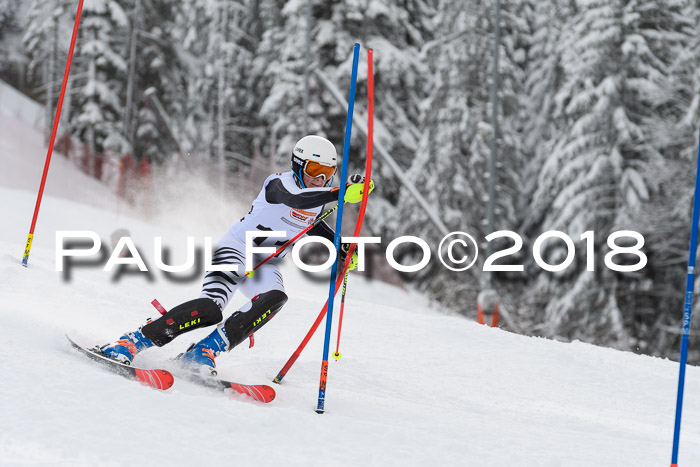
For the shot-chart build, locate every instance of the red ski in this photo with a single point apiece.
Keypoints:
(157, 379)
(259, 392)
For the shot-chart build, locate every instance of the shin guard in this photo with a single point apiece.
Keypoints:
(194, 314)
(244, 322)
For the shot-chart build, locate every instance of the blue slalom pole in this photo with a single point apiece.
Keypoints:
(687, 310)
(338, 225)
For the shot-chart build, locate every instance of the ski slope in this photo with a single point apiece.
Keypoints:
(414, 387)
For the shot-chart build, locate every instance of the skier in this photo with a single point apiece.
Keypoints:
(288, 202)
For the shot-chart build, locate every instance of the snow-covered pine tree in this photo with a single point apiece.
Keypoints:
(615, 58)
(280, 64)
(101, 64)
(37, 32)
(9, 25)
(451, 160)
(8, 16)
(42, 47)
(395, 30)
(543, 77)
(158, 66)
(194, 25)
(220, 41)
(245, 129)
(668, 213)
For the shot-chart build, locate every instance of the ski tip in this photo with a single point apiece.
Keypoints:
(261, 393)
(267, 394)
(158, 379)
(73, 343)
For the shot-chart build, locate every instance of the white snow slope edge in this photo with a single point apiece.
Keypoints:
(414, 386)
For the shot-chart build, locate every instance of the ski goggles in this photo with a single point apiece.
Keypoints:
(315, 169)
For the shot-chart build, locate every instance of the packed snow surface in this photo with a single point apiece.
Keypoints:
(415, 386)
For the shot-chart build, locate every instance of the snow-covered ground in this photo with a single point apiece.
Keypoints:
(414, 386)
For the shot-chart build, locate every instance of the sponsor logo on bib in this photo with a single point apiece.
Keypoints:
(298, 215)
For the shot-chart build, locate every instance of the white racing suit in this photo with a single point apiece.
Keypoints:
(281, 205)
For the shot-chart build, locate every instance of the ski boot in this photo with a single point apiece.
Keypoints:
(200, 356)
(126, 347)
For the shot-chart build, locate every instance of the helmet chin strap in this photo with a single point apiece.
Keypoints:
(300, 178)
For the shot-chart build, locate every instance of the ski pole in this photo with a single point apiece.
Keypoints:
(337, 355)
(296, 237)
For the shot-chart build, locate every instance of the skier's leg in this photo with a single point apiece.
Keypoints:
(220, 286)
(185, 317)
(194, 314)
(266, 290)
(217, 289)
(268, 299)
(253, 315)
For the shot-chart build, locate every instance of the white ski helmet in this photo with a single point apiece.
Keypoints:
(314, 156)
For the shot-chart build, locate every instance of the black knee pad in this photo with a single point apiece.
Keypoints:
(194, 314)
(242, 324)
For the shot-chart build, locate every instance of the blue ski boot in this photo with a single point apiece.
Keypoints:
(200, 356)
(126, 347)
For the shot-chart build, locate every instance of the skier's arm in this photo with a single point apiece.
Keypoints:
(322, 230)
(276, 193)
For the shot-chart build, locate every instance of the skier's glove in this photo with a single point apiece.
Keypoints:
(356, 178)
(344, 248)
(353, 192)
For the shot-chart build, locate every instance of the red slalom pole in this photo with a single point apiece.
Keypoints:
(360, 218)
(370, 137)
(30, 237)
